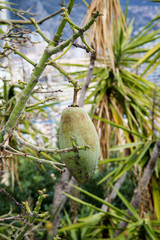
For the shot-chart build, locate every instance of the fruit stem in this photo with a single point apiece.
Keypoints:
(76, 89)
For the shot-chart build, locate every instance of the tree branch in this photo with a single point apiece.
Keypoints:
(28, 22)
(54, 151)
(39, 30)
(88, 79)
(20, 54)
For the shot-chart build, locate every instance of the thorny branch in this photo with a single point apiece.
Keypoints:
(32, 214)
(39, 149)
(76, 45)
(36, 91)
(12, 199)
(40, 102)
(28, 22)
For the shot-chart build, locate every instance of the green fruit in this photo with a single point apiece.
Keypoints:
(76, 123)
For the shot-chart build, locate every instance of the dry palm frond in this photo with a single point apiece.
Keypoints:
(104, 110)
(104, 130)
(101, 32)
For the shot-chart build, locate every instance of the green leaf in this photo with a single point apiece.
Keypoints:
(104, 161)
(156, 197)
(117, 125)
(109, 205)
(128, 145)
(150, 230)
(95, 208)
(128, 205)
(87, 222)
(148, 54)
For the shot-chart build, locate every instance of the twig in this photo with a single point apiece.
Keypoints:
(49, 16)
(2, 158)
(77, 45)
(7, 136)
(17, 217)
(35, 91)
(62, 24)
(76, 90)
(39, 30)
(88, 47)
(40, 102)
(67, 18)
(41, 106)
(61, 55)
(54, 151)
(12, 198)
(62, 71)
(40, 160)
(28, 22)
(20, 54)
(14, 153)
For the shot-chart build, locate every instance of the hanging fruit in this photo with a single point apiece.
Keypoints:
(76, 124)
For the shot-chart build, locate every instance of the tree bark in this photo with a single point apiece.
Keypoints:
(60, 199)
(113, 194)
(88, 79)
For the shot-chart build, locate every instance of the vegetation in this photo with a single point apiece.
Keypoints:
(122, 200)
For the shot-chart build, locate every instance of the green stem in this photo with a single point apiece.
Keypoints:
(40, 102)
(5, 91)
(17, 111)
(89, 48)
(73, 25)
(52, 50)
(33, 215)
(20, 54)
(75, 96)
(62, 54)
(63, 23)
(39, 30)
(61, 70)
(40, 107)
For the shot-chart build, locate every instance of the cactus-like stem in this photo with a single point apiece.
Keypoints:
(39, 30)
(32, 215)
(20, 54)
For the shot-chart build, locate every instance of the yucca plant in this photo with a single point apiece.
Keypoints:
(122, 97)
